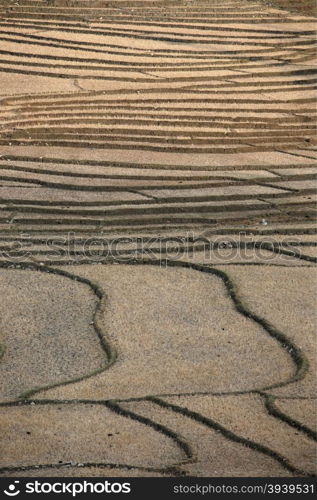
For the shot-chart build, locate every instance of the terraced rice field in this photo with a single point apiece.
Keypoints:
(157, 237)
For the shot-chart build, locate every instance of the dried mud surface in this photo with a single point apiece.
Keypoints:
(158, 238)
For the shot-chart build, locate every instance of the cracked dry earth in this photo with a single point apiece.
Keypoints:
(157, 238)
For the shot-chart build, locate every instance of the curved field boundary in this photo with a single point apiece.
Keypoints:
(299, 359)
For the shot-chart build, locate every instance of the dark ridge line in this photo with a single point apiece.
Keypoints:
(236, 84)
(158, 131)
(144, 7)
(113, 405)
(270, 184)
(143, 52)
(126, 66)
(29, 264)
(245, 58)
(189, 121)
(114, 6)
(143, 13)
(204, 226)
(154, 4)
(143, 398)
(172, 54)
(167, 18)
(156, 204)
(299, 359)
(276, 247)
(105, 226)
(197, 16)
(58, 10)
(179, 440)
(312, 149)
(176, 53)
(154, 133)
(290, 9)
(172, 20)
(211, 218)
(223, 244)
(212, 424)
(274, 411)
(188, 239)
(103, 77)
(36, 106)
(190, 182)
(155, 208)
(294, 73)
(167, 66)
(138, 5)
(296, 255)
(190, 40)
(133, 33)
(64, 13)
(160, 177)
(96, 115)
(143, 221)
(189, 25)
(102, 163)
(151, 200)
(143, 147)
(118, 410)
(89, 465)
(289, 43)
(103, 257)
(9, 235)
(156, 139)
(43, 402)
(71, 76)
(296, 154)
(139, 68)
(306, 116)
(59, 121)
(112, 78)
(160, 141)
(294, 352)
(104, 342)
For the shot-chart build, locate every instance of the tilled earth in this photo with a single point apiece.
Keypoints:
(157, 237)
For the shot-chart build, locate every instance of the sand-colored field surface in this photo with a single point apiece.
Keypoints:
(158, 238)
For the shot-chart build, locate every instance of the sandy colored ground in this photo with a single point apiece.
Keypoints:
(78, 434)
(303, 6)
(47, 331)
(151, 121)
(297, 318)
(152, 331)
(181, 303)
(245, 417)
